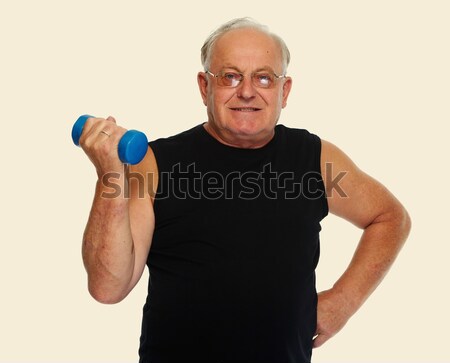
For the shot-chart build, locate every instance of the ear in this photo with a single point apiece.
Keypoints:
(202, 80)
(286, 89)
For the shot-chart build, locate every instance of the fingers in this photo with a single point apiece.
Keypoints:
(98, 130)
(319, 340)
(99, 140)
(321, 336)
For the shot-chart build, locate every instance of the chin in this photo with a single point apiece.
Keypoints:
(249, 127)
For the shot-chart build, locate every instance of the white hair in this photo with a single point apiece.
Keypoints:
(239, 23)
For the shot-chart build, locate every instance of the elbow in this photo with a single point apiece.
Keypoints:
(106, 299)
(105, 295)
(407, 223)
(404, 223)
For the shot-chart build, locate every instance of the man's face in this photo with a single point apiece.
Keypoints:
(246, 113)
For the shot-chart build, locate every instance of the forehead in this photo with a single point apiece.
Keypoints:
(246, 49)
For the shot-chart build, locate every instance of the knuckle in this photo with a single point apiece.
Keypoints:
(112, 119)
(90, 122)
(122, 130)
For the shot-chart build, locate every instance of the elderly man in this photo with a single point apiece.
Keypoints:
(229, 219)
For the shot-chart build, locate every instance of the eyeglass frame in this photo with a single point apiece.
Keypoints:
(217, 75)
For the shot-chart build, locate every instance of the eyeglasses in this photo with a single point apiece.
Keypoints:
(231, 79)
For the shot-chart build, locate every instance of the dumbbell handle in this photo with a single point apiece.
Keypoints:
(132, 146)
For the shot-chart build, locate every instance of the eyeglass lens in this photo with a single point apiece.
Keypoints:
(233, 79)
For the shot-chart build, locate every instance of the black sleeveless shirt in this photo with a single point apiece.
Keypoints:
(234, 251)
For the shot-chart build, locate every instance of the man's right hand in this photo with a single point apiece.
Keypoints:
(100, 140)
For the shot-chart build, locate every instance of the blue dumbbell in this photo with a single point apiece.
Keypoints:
(132, 146)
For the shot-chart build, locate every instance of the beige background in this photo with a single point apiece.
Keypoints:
(371, 76)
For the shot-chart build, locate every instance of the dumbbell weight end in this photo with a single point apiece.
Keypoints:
(132, 146)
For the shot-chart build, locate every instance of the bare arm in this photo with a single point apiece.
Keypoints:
(118, 234)
(386, 225)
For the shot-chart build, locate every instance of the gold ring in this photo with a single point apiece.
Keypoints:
(104, 132)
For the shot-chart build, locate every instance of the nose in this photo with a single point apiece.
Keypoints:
(246, 89)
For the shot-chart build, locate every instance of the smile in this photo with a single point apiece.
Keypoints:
(245, 109)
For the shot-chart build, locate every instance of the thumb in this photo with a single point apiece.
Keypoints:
(110, 118)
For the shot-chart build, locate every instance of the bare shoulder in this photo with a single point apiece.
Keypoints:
(351, 193)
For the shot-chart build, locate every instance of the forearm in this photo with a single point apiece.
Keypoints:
(108, 250)
(369, 205)
(378, 247)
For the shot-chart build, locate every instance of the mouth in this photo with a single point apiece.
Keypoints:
(245, 109)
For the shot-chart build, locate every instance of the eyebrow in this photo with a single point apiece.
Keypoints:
(260, 69)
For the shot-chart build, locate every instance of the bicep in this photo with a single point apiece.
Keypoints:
(351, 193)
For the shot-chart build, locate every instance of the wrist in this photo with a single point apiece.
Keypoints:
(348, 298)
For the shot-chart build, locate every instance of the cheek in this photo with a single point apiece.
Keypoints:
(219, 100)
(272, 98)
